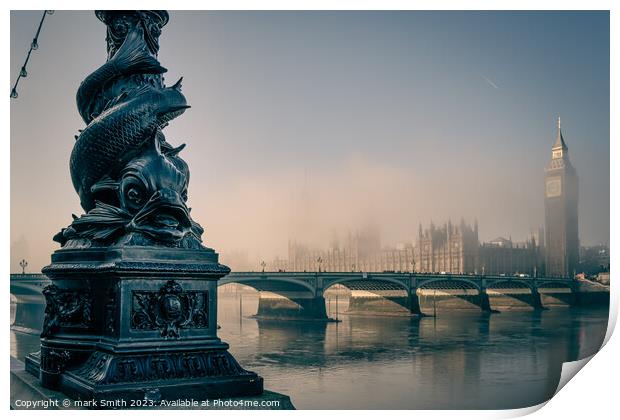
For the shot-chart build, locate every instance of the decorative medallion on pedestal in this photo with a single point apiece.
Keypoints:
(132, 311)
(169, 309)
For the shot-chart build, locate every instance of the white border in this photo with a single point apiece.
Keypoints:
(591, 395)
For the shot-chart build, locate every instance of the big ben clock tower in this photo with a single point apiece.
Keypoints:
(561, 220)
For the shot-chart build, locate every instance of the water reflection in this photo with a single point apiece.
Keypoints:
(458, 360)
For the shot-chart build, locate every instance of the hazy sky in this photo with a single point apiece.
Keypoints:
(308, 123)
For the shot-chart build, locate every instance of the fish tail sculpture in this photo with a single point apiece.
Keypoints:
(132, 57)
(130, 180)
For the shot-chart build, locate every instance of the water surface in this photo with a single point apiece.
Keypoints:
(460, 360)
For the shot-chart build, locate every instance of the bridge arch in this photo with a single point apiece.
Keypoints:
(282, 296)
(451, 283)
(553, 284)
(509, 283)
(377, 294)
(554, 292)
(266, 283)
(468, 291)
(514, 292)
(369, 282)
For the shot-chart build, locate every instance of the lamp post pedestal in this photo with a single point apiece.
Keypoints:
(136, 323)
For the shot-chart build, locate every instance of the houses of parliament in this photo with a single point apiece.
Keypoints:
(455, 247)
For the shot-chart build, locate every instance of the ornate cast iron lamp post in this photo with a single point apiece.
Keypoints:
(132, 311)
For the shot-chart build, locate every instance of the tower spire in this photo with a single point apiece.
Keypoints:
(559, 139)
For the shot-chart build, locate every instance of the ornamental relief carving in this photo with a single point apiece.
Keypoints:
(66, 308)
(169, 310)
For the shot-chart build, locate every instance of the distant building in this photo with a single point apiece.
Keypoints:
(278, 264)
(502, 256)
(561, 218)
(450, 249)
(361, 251)
(594, 259)
(538, 235)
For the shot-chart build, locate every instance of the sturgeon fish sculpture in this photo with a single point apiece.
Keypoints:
(133, 57)
(125, 106)
(112, 137)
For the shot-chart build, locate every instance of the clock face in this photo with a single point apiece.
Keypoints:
(554, 187)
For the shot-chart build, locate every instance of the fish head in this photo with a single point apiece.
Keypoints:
(165, 217)
(153, 189)
(171, 104)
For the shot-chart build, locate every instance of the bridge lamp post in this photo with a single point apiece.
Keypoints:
(262, 264)
(23, 264)
(319, 261)
(352, 268)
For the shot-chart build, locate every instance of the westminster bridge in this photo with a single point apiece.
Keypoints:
(302, 294)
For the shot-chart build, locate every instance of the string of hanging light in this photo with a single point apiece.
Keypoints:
(34, 45)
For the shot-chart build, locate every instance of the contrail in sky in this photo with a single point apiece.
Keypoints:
(490, 82)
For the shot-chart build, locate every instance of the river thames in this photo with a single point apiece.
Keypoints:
(457, 360)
